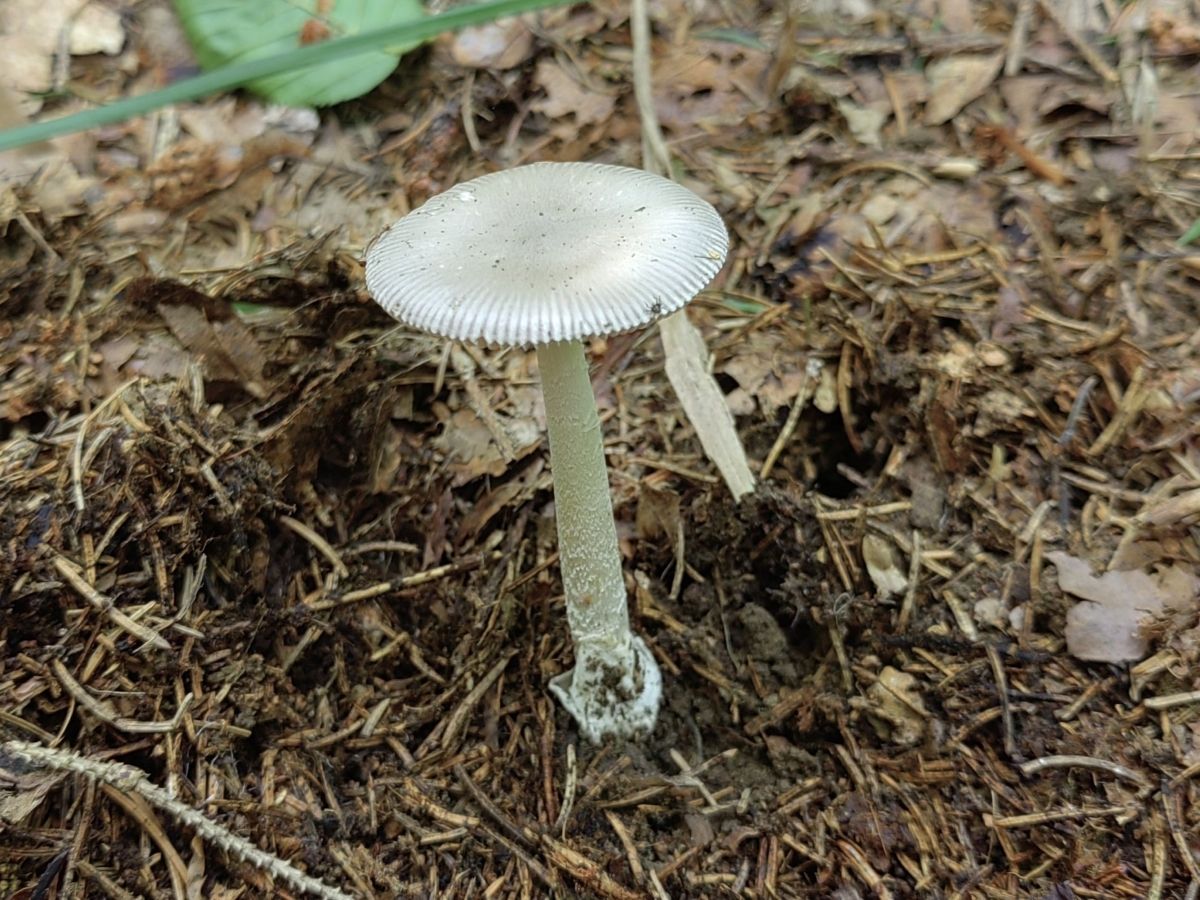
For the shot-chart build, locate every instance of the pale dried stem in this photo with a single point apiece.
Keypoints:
(686, 353)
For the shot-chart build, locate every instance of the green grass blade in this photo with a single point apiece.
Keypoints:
(230, 77)
(1190, 235)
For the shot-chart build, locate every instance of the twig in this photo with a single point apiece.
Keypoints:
(454, 722)
(859, 512)
(412, 795)
(105, 712)
(585, 870)
(1089, 53)
(812, 372)
(1070, 711)
(1081, 399)
(656, 157)
(914, 575)
(138, 809)
(1006, 720)
(790, 701)
(509, 827)
(106, 884)
(1169, 700)
(105, 605)
(857, 861)
(322, 546)
(1028, 820)
(1018, 37)
(635, 864)
(381, 547)
(1131, 404)
(1172, 807)
(569, 787)
(408, 581)
(667, 466)
(1085, 762)
(1157, 863)
(468, 113)
(1034, 603)
(961, 617)
(77, 445)
(126, 779)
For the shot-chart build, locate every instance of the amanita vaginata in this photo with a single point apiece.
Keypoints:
(548, 255)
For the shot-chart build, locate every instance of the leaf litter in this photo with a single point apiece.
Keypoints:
(344, 532)
(1119, 608)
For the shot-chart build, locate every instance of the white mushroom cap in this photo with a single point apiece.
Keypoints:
(547, 252)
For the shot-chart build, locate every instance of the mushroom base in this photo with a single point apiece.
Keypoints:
(612, 694)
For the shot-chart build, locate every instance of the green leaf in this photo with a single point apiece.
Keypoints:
(240, 73)
(225, 32)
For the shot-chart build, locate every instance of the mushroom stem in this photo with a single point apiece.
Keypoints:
(615, 686)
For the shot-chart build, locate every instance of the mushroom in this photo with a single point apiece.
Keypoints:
(550, 254)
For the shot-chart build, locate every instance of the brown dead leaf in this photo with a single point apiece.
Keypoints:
(31, 32)
(895, 707)
(227, 349)
(237, 171)
(1175, 113)
(22, 790)
(387, 458)
(848, 10)
(209, 328)
(1181, 507)
(50, 180)
(864, 122)
(706, 82)
(506, 494)
(883, 565)
(471, 450)
(944, 432)
(96, 29)
(224, 121)
(690, 68)
(1000, 409)
(189, 171)
(436, 526)
(956, 81)
(957, 16)
(825, 395)
(469, 447)
(572, 24)
(1138, 555)
(1031, 98)
(566, 96)
(1173, 32)
(498, 45)
(152, 356)
(768, 376)
(657, 514)
(879, 209)
(1108, 624)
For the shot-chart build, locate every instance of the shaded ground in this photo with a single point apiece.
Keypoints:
(966, 342)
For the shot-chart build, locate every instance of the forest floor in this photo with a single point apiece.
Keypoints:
(297, 565)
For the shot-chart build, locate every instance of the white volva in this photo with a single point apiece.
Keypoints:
(547, 255)
(615, 687)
